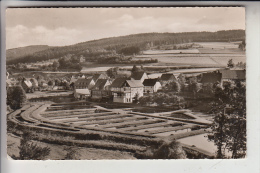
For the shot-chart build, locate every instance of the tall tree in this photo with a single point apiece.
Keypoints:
(135, 68)
(16, 97)
(229, 125)
(55, 65)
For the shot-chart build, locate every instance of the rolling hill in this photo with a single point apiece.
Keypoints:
(91, 49)
(16, 53)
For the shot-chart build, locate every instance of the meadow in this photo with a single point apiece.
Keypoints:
(203, 54)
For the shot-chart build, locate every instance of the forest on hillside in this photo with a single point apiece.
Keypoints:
(93, 49)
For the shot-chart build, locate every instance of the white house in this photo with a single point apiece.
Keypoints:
(81, 94)
(151, 85)
(125, 91)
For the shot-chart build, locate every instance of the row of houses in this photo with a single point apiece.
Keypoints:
(223, 76)
(123, 90)
(120, 89)
(126, 90)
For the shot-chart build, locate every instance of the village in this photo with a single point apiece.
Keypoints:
(162, 105)
(130, 89)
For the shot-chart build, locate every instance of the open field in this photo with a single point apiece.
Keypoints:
(207, 54)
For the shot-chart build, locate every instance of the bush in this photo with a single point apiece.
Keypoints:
(16, 97)
(71, 154)
(167, 150)
(30, 150)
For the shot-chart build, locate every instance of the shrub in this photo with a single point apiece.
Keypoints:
(30, 150)
(167, 150)
(71, 154)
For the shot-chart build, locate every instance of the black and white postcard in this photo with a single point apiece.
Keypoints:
(126, 83)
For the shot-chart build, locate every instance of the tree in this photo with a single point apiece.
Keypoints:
(229, 125)
(230, 63)
(142, 67)
(166, 150)
(57, 82)
(208, 88)
(194, 87)
(173, 86)
(30, 150)
(50, 83)
(182, 81)
(71, 153)
(55, 65)
(136, 98)
(135, 69)
(16, 97)
(112, 72)
(145, 100)
(130, 50)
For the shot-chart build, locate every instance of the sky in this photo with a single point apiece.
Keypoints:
(67, 26)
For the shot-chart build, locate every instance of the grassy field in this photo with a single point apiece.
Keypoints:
(59, 152)
(206, 54)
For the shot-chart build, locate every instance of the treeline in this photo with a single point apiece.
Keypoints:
(119, 59)
(123, 44)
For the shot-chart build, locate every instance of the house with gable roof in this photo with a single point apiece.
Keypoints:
(211, 78)
(151, 85)
(99, 76)
(139, 75)
(125, 91)
(232, 75)
(101, 89)
(167, 78)
(81, 94)
(27, 85)
(84, 83)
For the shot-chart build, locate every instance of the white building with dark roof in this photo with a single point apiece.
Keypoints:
(81, 94)
(151, 85)
(125, 91)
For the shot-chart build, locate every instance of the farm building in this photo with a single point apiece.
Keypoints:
(167, 78)
(27, 85)
(99, 76)
(212, 78)
(232, 75)
(139, 76)
(84, 84)
(34, 82)
(81, 94)
(101, 89)
(125, 91)
(151, 85)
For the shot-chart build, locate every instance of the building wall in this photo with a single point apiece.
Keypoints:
(157, 86)
(149, 89)
(139, 90)
(96, 94)
(122, 98)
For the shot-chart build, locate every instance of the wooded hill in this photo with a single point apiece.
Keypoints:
(14, 53)
(92, 49)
